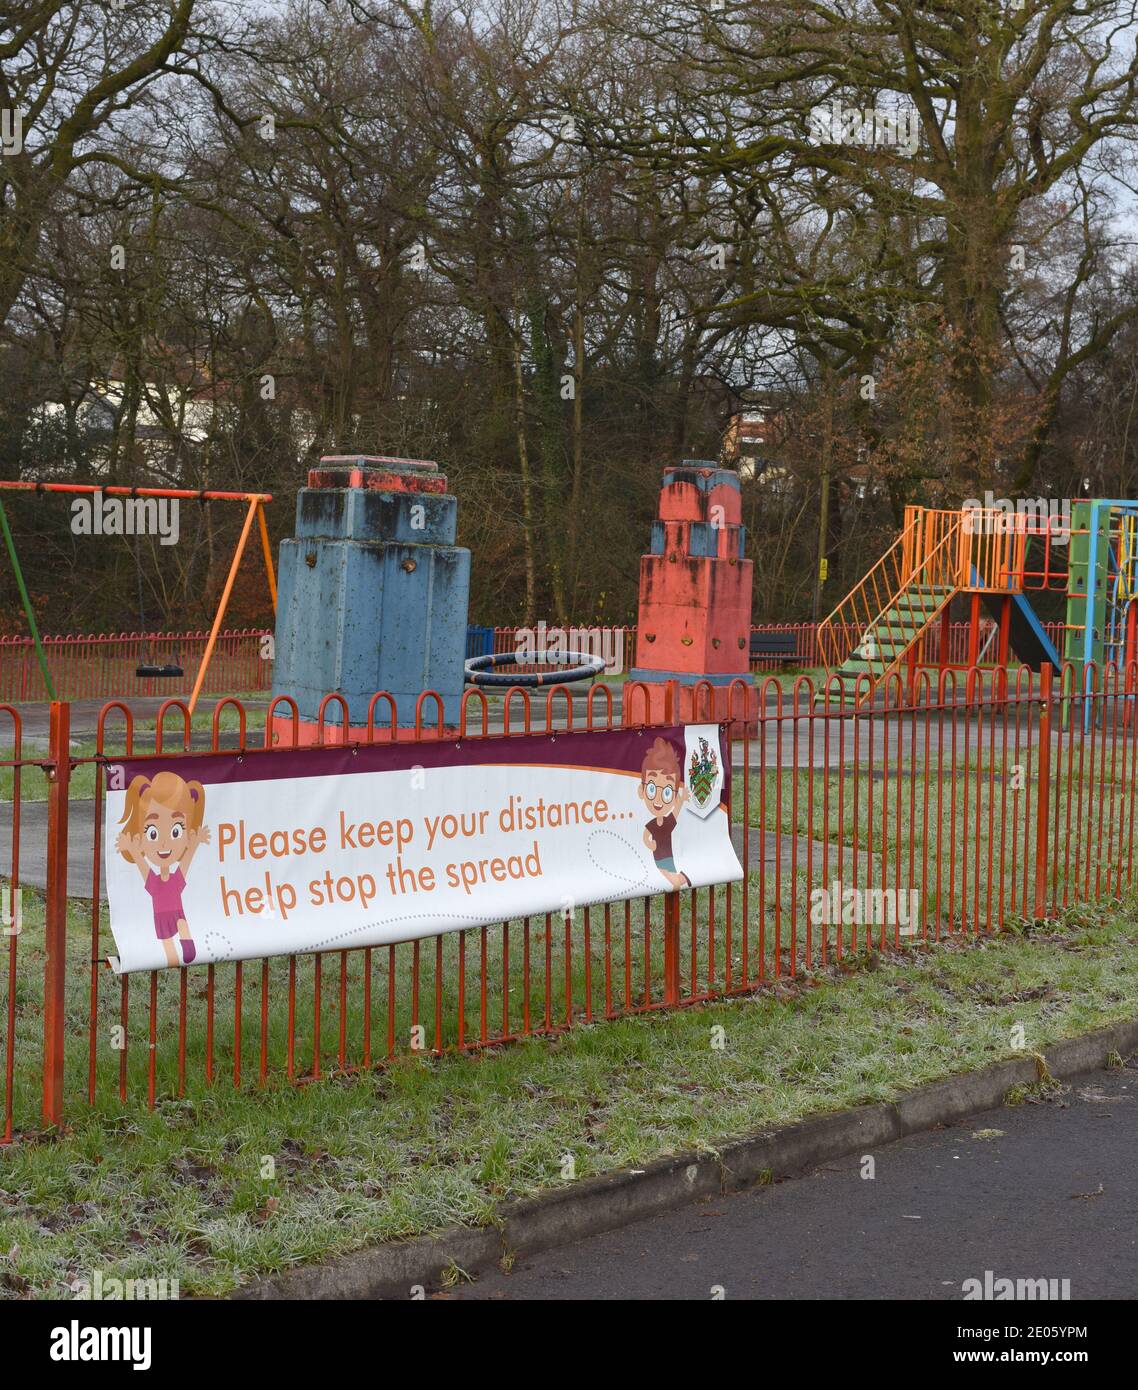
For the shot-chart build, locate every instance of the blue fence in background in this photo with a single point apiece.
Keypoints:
(479, 641)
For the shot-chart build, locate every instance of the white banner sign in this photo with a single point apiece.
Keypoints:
(210, 857)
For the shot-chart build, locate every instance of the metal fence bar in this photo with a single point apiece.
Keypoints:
(102, 665)
(55, 913)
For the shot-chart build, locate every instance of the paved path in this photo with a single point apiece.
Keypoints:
(1052, 1196)
(797, 854)
(33, 845)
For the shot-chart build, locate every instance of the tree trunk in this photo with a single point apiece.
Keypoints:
(527, 482)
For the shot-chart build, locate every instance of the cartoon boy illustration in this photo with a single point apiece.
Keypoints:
(663, 792)
(163, 820)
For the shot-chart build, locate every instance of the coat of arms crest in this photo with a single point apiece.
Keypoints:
(703, 770)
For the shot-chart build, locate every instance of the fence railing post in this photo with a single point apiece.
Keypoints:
(1043, 789)
(55, 912)
(672, 713)
(672, 947)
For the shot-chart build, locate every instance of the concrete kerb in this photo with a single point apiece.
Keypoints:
(592, 1205)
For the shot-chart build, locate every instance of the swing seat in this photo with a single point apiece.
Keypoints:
(162, 672)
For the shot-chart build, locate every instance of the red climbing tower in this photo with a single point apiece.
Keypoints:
(695, 601)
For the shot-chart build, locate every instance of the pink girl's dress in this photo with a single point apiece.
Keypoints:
(167, 902)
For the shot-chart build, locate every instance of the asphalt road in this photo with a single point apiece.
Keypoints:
(1053, 1195)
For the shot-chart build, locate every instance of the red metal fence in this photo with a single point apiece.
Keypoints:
(991, 798)
(806, 652)
(102, 665)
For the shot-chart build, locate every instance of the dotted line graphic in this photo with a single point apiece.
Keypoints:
(633, 883)
(214, 953)
(475, 917)
(222, 951)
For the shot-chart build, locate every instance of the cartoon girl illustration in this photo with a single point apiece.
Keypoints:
(163, 821)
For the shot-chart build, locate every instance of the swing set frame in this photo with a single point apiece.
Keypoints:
(255, 510)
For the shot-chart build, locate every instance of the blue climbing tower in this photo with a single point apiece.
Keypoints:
(373, 593)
